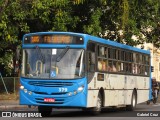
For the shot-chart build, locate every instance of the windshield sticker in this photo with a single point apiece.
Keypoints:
(53, 73)
(54, 51)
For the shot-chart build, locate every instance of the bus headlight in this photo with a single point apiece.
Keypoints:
(70, 93)
(25, 90)
(75, 92)
(21, 87)
(30, 92)
(80, 89)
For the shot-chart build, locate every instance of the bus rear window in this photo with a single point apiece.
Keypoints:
(53, 39)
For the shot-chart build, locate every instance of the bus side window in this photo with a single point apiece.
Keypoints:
(91, 57)
(114, 69)
(109, 69)
(91, 62)
(134, 68)
(102, 64)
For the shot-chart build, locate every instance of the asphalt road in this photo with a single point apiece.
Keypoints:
(143, 112)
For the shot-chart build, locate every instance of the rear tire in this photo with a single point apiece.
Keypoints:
(133, 102)
(45, 110)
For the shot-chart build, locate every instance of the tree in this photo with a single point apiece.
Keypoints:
(117, 20)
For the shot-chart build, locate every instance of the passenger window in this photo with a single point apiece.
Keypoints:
(112, 66)
(146, 70)
(134, 57)
(114, 69)
(91, 62)
(123, 55)
(101, 51)
(114, 53)
(91, 47)
(147, 60)
(140, 58)
(119, 55)
(118, 66)
(102, 64)
(109, 68)
(109, 53)
(137, 58)
(128, 68)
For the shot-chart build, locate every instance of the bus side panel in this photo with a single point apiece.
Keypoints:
(92, 92)
(142, 96)
(118, 89)
(112, 98)
(143, 89)
(92, 98)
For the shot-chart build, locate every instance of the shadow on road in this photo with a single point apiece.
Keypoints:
(105, 113)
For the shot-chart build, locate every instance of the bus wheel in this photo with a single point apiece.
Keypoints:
(133, 102)
(45, 110)
(96, 110)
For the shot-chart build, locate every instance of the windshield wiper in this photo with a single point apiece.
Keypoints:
(60, 56)
(40, 53)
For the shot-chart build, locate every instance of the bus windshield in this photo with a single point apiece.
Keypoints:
(43, 63)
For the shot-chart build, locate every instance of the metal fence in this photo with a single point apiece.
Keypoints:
(9, 85)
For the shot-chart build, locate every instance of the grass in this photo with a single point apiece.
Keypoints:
(9, 96)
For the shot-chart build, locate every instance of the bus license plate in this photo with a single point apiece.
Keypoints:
(49, 100)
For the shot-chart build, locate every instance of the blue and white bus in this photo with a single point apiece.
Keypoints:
(74, 70)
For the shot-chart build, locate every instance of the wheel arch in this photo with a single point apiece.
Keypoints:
(135, 91)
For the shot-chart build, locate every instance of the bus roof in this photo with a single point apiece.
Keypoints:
(96, 39)
(116, 44)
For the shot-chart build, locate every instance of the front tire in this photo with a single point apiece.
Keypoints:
(133, 102)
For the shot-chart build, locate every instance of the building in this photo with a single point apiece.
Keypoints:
(155, 58)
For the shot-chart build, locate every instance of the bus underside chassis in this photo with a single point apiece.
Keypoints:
(133, 102)
(45, 110)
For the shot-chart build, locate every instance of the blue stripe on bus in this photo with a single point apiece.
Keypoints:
(116, 44)
(52, 46)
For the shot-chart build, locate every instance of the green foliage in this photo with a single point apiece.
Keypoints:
(125, 13)
(7, 61)
(117, 20)
(94, 23)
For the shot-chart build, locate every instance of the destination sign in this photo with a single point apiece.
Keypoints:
(53, 39)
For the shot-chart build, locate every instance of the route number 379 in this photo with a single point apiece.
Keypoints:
(63, 89)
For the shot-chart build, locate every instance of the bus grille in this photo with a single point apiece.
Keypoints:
(45, 93)
(50, 84)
